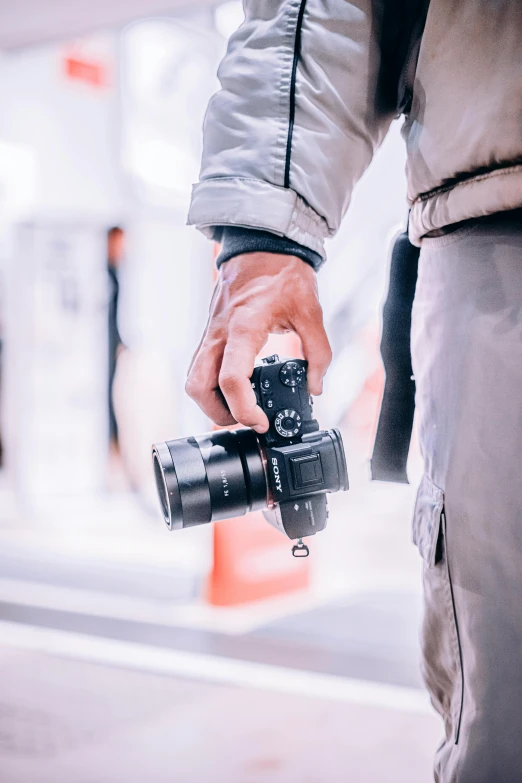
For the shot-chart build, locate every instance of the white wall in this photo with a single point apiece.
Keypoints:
(63, 178)
(72, 133)
(29, 22)
(70, 126)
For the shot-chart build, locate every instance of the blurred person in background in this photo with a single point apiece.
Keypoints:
(309, 90)
(115, 256)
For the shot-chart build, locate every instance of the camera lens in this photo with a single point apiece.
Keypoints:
(160, 486)
(211, 477)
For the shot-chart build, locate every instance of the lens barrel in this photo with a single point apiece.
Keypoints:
(211, 477)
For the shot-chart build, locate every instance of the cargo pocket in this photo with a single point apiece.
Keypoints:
(442, 667)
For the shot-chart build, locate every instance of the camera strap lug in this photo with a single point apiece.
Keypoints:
(300, 549)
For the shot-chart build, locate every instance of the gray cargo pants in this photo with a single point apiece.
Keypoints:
(467, 359)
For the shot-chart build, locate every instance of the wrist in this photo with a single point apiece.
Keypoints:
(278, 278)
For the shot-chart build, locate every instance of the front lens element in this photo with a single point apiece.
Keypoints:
(167, 486)
(162, 489)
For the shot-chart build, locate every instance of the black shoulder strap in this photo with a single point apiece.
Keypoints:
(392, 442)
(402, 29)
(395, 426)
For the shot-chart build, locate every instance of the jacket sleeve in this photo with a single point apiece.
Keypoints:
(236, 241)
(297, 120)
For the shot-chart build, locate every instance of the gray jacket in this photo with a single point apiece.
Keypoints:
(310, 87)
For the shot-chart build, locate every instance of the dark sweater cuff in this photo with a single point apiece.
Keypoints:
(237, 241)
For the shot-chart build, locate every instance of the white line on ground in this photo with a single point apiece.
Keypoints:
(213, 669)
(231, 620)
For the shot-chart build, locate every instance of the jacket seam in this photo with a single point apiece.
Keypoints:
(252, 224)
(434, 243)
(239, 179)
(458, 707)
(300, 206)
(470, 180)
(293, 88)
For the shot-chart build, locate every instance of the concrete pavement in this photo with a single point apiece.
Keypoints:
(67, 721)
(113, 670)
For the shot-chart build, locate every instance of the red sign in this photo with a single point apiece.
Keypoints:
(89, 72)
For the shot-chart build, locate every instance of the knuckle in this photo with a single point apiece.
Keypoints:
(244, 415)
(327, 355)
(304, 284)
(323, 355)
(315, 311)
(223, 420)
(192, 388)
(228, 382)
(244, 325)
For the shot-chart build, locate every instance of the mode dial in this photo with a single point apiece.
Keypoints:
(288, 423)
(292, 374)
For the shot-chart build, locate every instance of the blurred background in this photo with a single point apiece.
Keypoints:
(129, 653)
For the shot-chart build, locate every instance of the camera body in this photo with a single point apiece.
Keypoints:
(286, 473)
(302, 462)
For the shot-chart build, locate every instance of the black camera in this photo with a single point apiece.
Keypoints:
(286, 473)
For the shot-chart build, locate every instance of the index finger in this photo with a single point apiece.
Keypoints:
(202, 384)
(234, 381)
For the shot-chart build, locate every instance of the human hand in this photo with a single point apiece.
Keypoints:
(256, 294)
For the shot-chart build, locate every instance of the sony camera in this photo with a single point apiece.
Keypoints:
(286, 473)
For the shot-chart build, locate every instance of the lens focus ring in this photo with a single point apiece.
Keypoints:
(192, 481)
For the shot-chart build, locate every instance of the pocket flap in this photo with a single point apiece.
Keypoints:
(426, 519)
